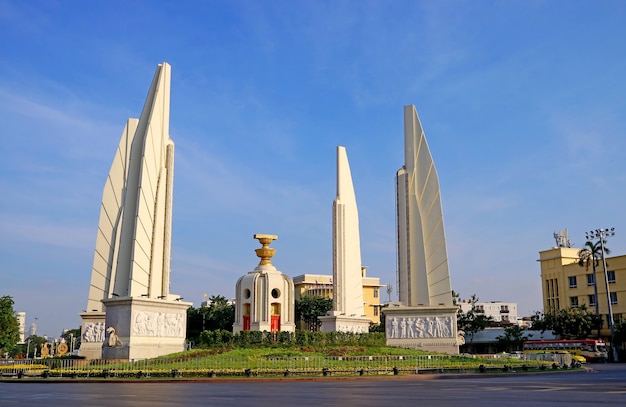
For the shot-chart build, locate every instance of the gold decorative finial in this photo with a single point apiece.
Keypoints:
(265, 253)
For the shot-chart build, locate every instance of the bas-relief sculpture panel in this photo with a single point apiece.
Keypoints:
(352, 329)
(158, 324)
(419, 327)
(94, 332)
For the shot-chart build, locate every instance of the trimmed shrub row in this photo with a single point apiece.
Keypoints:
(253, 339)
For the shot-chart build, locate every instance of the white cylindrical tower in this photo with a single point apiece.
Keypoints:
(264, 296)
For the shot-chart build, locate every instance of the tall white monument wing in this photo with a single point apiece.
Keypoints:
(109, 226)
(348, 285)
(132, 256)
(424, 278)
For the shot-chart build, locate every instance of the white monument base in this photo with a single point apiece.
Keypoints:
(431, 329)
(343, 323)
(144, 328)
(92, 334)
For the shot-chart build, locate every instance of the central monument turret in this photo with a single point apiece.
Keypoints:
(264, 296)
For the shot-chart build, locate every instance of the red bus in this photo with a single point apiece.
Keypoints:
(593, 350)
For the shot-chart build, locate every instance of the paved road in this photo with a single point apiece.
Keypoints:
(606, 386)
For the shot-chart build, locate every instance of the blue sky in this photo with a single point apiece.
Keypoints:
(523, 104)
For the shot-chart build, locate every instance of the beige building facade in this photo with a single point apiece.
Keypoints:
(566, 284)
(504, 312)
(322, 285)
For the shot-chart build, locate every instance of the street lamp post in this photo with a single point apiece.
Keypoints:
(602, 235)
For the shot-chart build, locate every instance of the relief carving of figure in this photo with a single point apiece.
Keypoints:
(140, 326)
(409, 328)
(419, 327)
(436, 327)
(445, 327)
(394, 328)
(430, 327)
(402, 327)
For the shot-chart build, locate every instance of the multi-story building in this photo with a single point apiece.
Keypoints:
(566, 284)
(504, 312)
(322, 285)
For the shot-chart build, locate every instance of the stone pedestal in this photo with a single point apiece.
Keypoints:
(431, 329)
(343, 323)
(144, 328)
(92, 334)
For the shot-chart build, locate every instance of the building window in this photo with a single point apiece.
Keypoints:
(375, 292)
(375, 311)
(590, 279)
(611, 276)
(592, 300)
(573, 302)
(613, 298)
(572, 282)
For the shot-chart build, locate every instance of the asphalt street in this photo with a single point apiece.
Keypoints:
(605, 385)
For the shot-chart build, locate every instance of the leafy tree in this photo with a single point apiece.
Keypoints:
(310, 307)
(539, 322)
(31, 347)
(9, 326)
(219, 315)
(591, 254)
(194, 324)
(69, 335)
(569, 323)
(472, 321)
(513, 338)
(456, 298)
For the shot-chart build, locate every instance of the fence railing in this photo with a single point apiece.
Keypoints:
(261, 366)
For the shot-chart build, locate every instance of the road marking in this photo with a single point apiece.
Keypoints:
(554, 389)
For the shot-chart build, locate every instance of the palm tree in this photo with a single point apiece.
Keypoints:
(591, 254)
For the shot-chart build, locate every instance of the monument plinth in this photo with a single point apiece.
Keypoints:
(92, 334)
(427, 328)
(264, 296)
(425, 317)
(143, 328)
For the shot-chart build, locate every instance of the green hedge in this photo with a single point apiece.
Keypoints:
(254, 339)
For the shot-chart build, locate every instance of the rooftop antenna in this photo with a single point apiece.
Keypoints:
(389, 291)
(562, 239)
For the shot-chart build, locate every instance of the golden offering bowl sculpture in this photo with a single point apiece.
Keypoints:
(265, 253)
